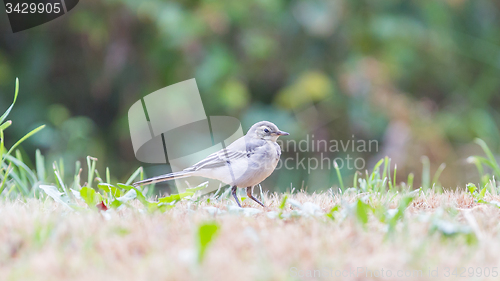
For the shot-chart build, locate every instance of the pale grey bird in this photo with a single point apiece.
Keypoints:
(244, 163)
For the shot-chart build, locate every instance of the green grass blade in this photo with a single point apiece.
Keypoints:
(389, 179)
(22, 140)
(395, 171)
(22, 172)
(410, 180)
(5, 125)
(56, 174)
(2, 118)
(338, 175)
(60, 183)
(384, 174)
(98, 177)
(133, 176)
(426, 171)
(376, 167)
(40, 166)
(438, 173)
(477, 162)
(2, 147)
(489, 155)
(108, 176)
(26, 169)
(362, 212)
(76, 178)
(23, 189)
(5, 176)
(91, 163)
(61, 167)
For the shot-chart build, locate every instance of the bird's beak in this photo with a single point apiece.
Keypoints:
(282, 133)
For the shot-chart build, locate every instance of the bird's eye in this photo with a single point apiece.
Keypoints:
(266, 130)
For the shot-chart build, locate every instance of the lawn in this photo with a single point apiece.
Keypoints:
(293, 239)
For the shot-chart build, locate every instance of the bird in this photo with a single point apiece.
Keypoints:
(244, 163)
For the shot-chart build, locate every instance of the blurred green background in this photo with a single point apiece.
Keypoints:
(420, 77)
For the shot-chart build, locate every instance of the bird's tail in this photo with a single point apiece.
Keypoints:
(167, 177)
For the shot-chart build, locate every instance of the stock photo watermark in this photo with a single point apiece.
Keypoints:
(25, 14)
(312, 154)
(383, 273)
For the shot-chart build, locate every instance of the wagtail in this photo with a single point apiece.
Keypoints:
(244, 163)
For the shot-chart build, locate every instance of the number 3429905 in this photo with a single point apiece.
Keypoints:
(33, 8)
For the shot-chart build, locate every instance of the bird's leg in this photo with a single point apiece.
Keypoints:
(233, 192)
(249, 193)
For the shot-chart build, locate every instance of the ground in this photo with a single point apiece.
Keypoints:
(440, 236)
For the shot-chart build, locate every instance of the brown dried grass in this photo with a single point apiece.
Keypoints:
(45, 241)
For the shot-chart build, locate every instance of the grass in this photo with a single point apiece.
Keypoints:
(54, 227)
(43, 240)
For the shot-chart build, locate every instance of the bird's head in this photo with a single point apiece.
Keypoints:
(266, 130)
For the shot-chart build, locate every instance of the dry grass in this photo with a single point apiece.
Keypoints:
(45, 241)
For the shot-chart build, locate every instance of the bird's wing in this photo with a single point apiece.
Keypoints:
(220, 158)
(237, 150)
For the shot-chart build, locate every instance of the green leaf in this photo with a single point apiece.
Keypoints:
(90, 197)
(104, 187)
(282, 206)
(335, 208)
(55, 194)
(283, 202)
(125, 186)
(362, 212)
(206, 233)
(175, 197)
(151, 206)
(110, 189)
(471, 187)
(131, 194)
(482, 193)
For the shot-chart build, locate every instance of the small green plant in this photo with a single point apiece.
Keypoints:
(282, 206)
(487, 180)
(109, 195)
(13, 168)
(206, 233)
